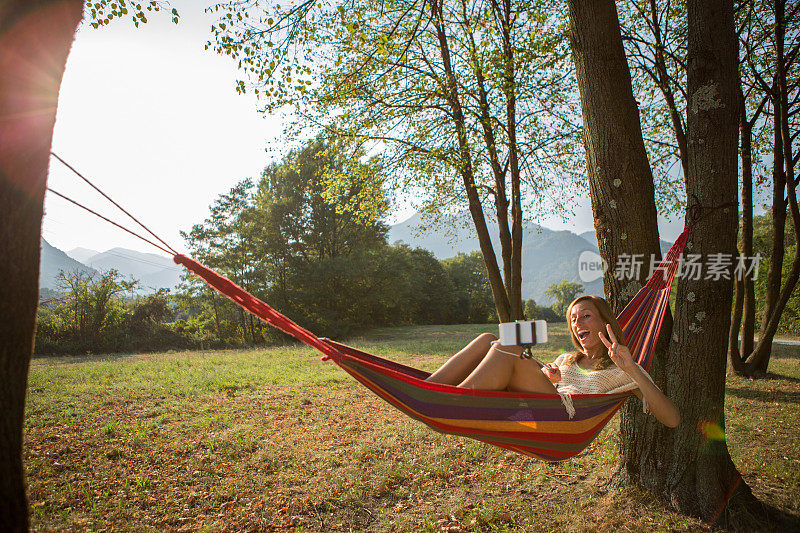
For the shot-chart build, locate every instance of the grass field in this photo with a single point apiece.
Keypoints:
(274, 439)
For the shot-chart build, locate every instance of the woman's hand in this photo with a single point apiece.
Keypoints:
(552, 372)
(619, 353)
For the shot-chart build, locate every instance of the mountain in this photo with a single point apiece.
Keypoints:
(54, 260)
(442, 243)
(547, 256)
(590, 236)
(152, 270)
(82, 254)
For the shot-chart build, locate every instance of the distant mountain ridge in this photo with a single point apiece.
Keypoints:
(82, 254)
(53, 261)
(153, 271)
(548, 256)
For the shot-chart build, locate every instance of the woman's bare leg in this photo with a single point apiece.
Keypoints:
(464, 362)
(502, 371)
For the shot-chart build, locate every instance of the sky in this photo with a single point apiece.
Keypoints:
(154, 120)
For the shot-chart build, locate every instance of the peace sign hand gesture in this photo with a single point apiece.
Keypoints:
(619, 353)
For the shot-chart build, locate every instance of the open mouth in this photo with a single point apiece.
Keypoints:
(582, 335)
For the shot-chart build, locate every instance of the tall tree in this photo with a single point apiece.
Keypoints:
(320, 212)
(473, 297)
(654, 32)
(469, 101)
(226, 241)
(35, 39)
(690, 465)
(772, 69)
(90, 301)
(563, 293)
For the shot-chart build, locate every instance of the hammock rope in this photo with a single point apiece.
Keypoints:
(120, 226)
(96, 188)
(533, 424)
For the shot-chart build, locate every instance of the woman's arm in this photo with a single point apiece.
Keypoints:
(661, 406)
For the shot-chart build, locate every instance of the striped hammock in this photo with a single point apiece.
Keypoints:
(533, 424)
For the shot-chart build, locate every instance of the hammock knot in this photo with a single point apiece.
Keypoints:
(696, 211)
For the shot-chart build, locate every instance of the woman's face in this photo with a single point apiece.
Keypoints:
(586, 325)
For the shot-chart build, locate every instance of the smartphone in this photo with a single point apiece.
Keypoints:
(523, 332)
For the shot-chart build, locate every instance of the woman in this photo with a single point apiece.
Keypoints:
(600, 364)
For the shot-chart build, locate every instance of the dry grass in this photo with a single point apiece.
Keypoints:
(275, 440)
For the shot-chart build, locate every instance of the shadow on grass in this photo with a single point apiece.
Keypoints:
(791, 398)
(785, 351)
(777, 520)
(86, 358)
(772, 376)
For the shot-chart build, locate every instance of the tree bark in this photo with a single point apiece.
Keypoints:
(748, 286)
(620, 178)
(735, 362)
(35, 37)
(690, 466)
(743, 318)
(622, 193)
(687, 465)
(773, 283)
(514, 285)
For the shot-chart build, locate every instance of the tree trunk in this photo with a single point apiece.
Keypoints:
(674, 463)
(622, 192)
(514, 285)
(690, 465)
(773, 283)
(499, 291)
(35, 37)
(735, 362)
(500, 196)
(620, 178)
(748, 286)
(743, 319)
(779, 290)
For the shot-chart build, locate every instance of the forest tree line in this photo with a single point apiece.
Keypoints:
(307, 251)
(315, 258)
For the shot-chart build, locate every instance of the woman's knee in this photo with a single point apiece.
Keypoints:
(511, 350)
(487, 337)
(485, 340)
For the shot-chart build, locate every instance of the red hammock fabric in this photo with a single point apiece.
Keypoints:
(533, 424)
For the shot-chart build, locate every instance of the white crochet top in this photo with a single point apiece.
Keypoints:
(576, 380)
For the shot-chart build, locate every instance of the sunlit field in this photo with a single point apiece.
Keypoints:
(275, 439)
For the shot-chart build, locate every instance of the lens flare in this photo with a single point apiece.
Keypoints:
(711, 430)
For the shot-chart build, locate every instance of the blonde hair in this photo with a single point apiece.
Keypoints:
(607, 316)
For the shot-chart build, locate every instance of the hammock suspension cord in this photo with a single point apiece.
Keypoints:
(168, 249)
